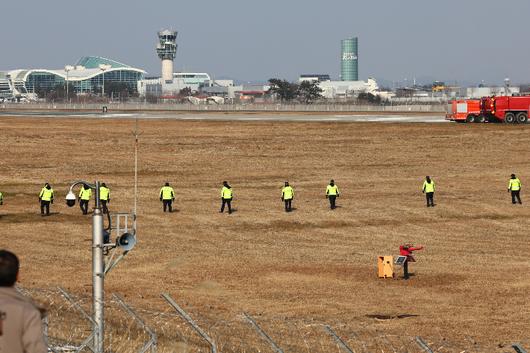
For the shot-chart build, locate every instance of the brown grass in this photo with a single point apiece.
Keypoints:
(312, 265)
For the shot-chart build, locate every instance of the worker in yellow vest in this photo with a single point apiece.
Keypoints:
(287, 196)
(514, 186)
(428, 189)
(1, 198)
(45, 198)
(104, 197)
(167, 196)
(332, 192)
(226, 197)
(84, 198)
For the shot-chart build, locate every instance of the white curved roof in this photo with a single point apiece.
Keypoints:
(77, 74)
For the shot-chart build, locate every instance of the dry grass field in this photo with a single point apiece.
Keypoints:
(310, 266)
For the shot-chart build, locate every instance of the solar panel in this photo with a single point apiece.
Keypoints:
(400, 260)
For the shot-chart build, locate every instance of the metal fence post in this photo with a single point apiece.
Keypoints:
(263, 334)
(152, 343)
(337, 339)
(423, 345)
(192, 323)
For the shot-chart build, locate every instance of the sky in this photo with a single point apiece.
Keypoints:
(462, 41)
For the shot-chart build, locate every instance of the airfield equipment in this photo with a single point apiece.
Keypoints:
(465, 111)
(507, 109)
(101, 246)
(385, 266)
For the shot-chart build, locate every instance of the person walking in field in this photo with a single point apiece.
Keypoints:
(428, 189)
(21, 329)
(332, 192)
(288, 196)
(226, 197)
(84, 198)
(514, 186)
(104, 197)
(167, 196)
(1, 198)
(45, 198)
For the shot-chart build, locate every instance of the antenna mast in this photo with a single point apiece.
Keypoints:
(136, 134)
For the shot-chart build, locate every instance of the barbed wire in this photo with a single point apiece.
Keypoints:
(67, 326)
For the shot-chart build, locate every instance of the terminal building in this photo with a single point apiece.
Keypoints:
(87, 76)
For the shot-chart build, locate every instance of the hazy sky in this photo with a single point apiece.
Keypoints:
(452, 40)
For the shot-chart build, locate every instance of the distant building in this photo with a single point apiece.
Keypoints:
(479, 92)
(338, 89)
(314, 77)
(181, 80)
(349, 69)
(87, 76)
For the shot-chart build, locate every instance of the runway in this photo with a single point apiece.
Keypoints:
(301, 117)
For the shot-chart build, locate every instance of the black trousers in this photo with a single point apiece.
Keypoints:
(406, 270)
(332, 199)
(227, 202)
(104, 206)
(516, 195)
(83, 204)
(430, 199)
(45, 205)
(288, 205)
(168, 204)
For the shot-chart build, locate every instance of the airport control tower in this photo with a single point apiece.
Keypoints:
(166, 50)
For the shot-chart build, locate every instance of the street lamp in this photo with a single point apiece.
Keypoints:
(67, 68)
(103, 68)
(125, 242)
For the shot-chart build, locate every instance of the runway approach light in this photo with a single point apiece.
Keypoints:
(70, 199)
(126, 241)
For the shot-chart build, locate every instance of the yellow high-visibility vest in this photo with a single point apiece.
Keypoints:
(46, 194)
(332, 190)
(428, 187)
(514, 184)
(288, 193)
(104, 193)
(85, 194)
(226, 193)
(167, 193)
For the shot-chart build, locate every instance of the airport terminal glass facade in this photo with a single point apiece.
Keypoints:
(85, 77)
(83, 81)
(43, 81)
(350, 59)
(127, 77)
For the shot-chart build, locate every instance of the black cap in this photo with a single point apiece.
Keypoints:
(167, 184)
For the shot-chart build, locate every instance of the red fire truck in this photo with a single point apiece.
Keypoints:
(465, 111)
(508, 109)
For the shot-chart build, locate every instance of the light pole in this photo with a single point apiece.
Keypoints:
(67, 68)
(98, 264)
(103, 68)
(125, 242)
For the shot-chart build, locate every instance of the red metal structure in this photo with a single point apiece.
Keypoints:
(465, 111)
(507, 109)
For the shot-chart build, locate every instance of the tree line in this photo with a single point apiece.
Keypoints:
(305, 91)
